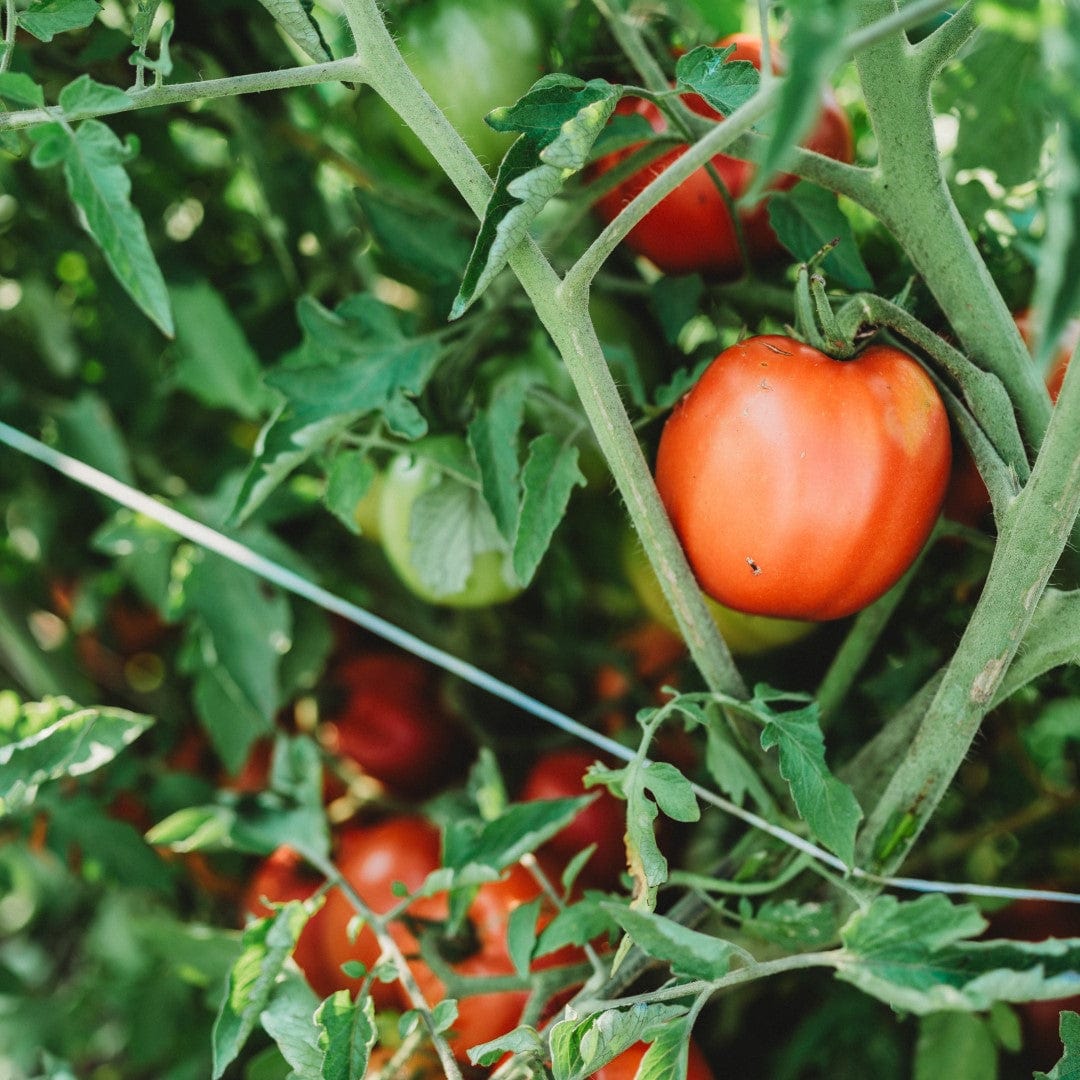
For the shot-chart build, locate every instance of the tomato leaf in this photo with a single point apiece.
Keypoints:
(1052, 640)
(61, 739)
(814, 46)
(99, 186)
(668, 1053)
(808, 217)
(915, 956)
(560, 119)
(294, 17)
(551, 473)
(493, 438)
(347, 1034)
(288, 1020)
(215, 362)
(735, 776)
(674, 794)
(351, 476)
(724, 84)
(954, 1044)
(20, 89)
(581, 1047)
(522, 1042)
(1068, 1068)
(84, 96)
(47, 18)
(267, 944)
(358, 358)
(789, 923)
(578, 924)
(828, 806)
(691, 954)
(521, 934)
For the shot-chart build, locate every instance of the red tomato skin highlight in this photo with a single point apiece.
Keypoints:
(691, 230)
(801, 486)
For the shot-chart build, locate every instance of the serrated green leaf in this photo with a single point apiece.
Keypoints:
(20, 89)
(347, 1034)
(668, 1054)
(549, 477)
(215, 362)
(828, 806)
(519, 829)
(195, 828)
(561, 119)
(493, 439)
(915, 957)
(521, 1042)
(77, 741)
(724, 84)
(691, 954)
(294, 17)
(289, 1019)
(47, 18)
(808, 217)
(267, 943)
(143, 22)
(791, 924)
(359, 358)
(734, 775)
(84, 96)
(1068, 1068)
(99, 186)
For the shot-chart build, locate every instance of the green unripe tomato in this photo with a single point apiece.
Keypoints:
(367, 509)
(746, 635)
(471, 56)
(405, 480)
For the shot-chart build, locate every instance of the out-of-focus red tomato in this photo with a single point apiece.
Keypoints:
(558, 775)
(372, 858)
(482, 1017)
(692, 229)
(387, 716)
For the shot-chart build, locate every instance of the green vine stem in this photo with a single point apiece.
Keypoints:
(1033, 533)
(565, 314)
(913, 201)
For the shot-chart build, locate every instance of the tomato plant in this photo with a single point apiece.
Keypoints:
(481, 950)
(385, 714)
(372, 858)
(692, 228)
(802, 486)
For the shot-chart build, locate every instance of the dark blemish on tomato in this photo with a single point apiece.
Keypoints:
(754, 568)
(776, 348)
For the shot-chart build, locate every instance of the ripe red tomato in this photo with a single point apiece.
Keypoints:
(371, 858)
(802, 486)
(391, 722)
(482, 1017)
(625, 1066)
(691, 229)
(1035, 920)
(281, 877)
(558, 775)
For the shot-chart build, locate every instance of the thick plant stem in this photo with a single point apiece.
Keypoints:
(567, 320)
(1034, 530)
(915, 204)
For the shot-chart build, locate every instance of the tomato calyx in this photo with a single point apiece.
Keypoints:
(817, 323)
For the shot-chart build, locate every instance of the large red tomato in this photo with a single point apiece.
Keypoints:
(625, 1066)
(691, 229)
(281, 877)
(558, 775)
(802, 486)
(392, 723)
(372, 858)
(482, 1017)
